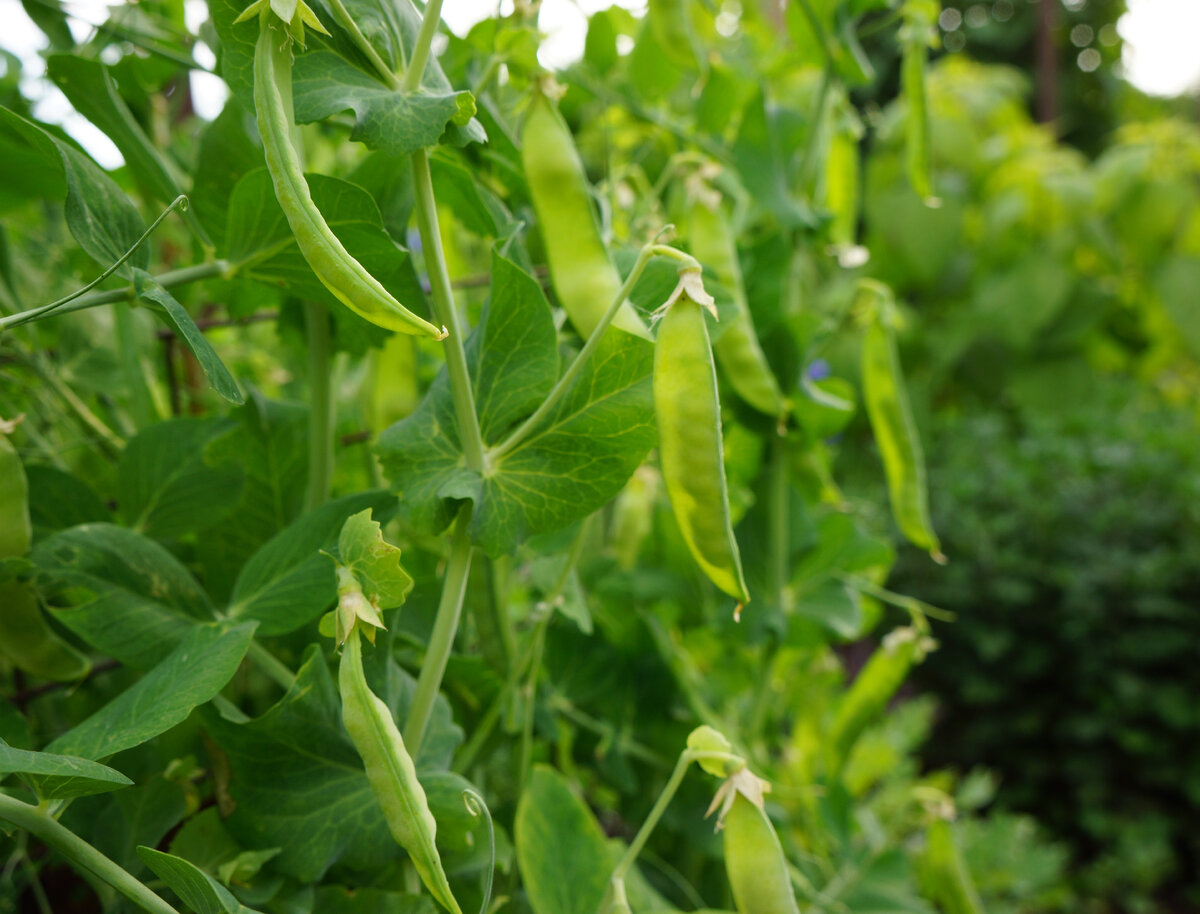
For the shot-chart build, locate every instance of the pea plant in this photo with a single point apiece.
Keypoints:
(435, 507)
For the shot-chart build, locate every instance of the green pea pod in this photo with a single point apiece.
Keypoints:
(581, 271)
(391, 772)
(672, 30)
(916, 36)
(689, 434)
(944, 876)
(25, 636)
(892, 422)
(842, 176)
(339, 272)
(737, 349)
(871, 691)
(755, 862)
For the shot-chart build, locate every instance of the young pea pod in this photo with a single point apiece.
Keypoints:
(944, 876)
(842, 175)
(391, 772)
(754, 860)
(918, 33)
(583, 275)
(689, 436)
(25, 637)
(872, 690)
(892, 421)
(337, 269)
(737, 349)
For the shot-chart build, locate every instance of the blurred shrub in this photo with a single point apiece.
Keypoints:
(1074, 544)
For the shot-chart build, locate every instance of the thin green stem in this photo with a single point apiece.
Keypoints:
(80, 854)
(420, 56)
(817, 119)
(275, 668)
(321, 406)
(447, 314)
(778, 514)
(195, 273)
(523, 431)
(535, 668)
(35, 884)
(445, 627)
(346, 21)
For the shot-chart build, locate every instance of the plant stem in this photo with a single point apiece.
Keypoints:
(346, 21)
(778, 513)
(275, 668)
(321, 406)
(535, 668)
(447, 314)
(429, 24)
(454, 588)
(167, 280)
(568, 377)
(80, 854)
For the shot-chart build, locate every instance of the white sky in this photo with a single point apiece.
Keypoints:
(1161, 52)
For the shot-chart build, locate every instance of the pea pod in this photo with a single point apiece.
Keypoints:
(872, 690)
(842, 178)
(339, 272)
(916, 36)
(892, 421)
(737, 349)
(391, 772)
(689, 433)
(944, 876)
(754, 861)
(25, 636)
(583, 275)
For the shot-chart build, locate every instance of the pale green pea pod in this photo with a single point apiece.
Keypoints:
(690, 447)
(346, 278)
(391, 772)
(918, 33)
(581, 271)
(754, 859)
(943, 873)
(892, 421)
(737, 348)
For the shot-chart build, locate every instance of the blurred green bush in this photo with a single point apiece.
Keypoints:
(1074, 544)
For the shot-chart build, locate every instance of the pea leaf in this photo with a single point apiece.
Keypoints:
(120, 592)
(60, 777)
(373, 561)
(195, 888)
(560, 848)
(190, 675)
(580, 456)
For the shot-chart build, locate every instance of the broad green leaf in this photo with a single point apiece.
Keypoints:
(120, 592)
(60, 777)
(882, 884)
(762, 154)
(373, 561)
(298, 782)
(214, 369)
(137, 815)
(101, 218)
(190, 675)
(473, 204)
(581, 456)
(165, 486)
(288, 583)
(561, 850)
(206, 842)
(58, 500)
(262, 244)
(29, 642)
(323, 84)
(227, 154)
(195, 888)
(89, 86)
(268, 439)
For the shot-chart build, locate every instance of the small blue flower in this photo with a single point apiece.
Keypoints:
(818, 370)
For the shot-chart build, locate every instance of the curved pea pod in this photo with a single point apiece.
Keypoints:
(944, 876)
(340, 273)
(754, 859)
(916, 36)
(689, 435)
(892, 422)
(26, 638)
(391, 772)
(872, 690)
(737, 349)
(583, 275)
